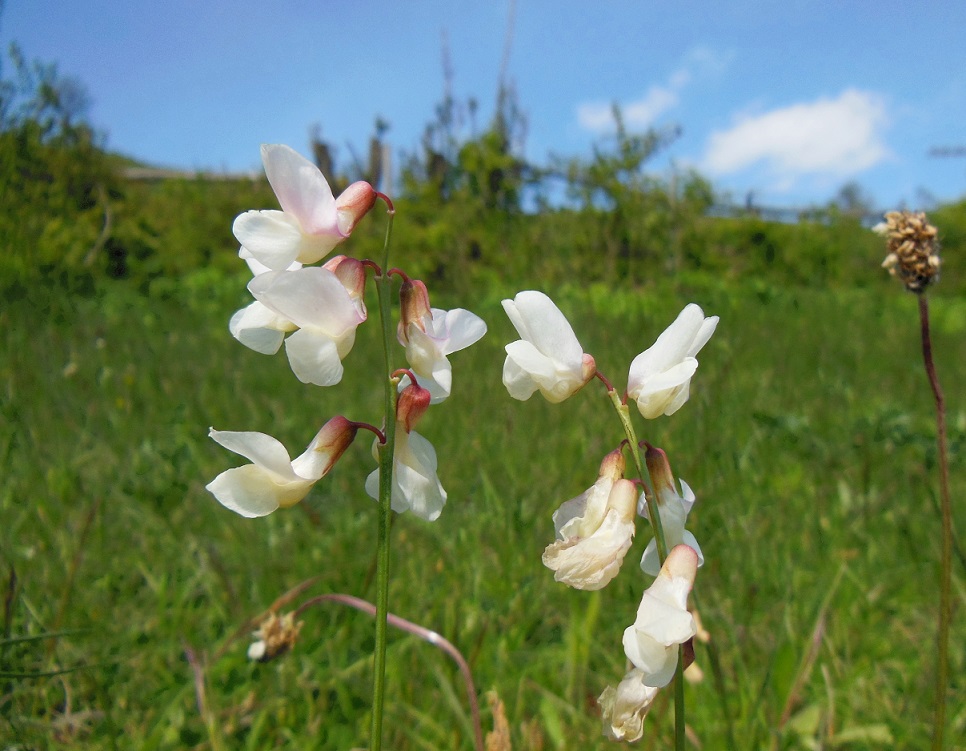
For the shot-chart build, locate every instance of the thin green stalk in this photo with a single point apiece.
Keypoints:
(946, 555)
(384, 290)
(654, 516)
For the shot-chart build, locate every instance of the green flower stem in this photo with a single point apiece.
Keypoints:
(654, 517)
(384, 290)
(946, 555)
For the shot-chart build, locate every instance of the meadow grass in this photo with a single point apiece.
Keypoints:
(808, 440)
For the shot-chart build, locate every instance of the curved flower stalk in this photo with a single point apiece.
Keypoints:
(273, 480)
(624, 708)
(415, 484)
(673, 507)
(326, 313)
(311, 223)
(663, 621)
(548, 358)
(660, 377)
(595, 529)
(430, 334)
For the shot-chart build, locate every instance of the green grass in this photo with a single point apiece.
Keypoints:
(808, 440)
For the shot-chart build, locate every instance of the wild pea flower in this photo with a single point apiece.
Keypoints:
(326, 313)
(595, 529)
(311, 223)
(663, 621)
(623, 709)
(274, 480)
(256, 326)
(660, 377)
(673, 508)
(430, 334)
(415, 485)
(548, 358)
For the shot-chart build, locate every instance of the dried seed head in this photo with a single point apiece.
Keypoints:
(275, 636)
(913, 248)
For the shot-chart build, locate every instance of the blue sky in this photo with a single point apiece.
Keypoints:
(787, 99)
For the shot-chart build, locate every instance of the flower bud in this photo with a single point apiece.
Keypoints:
(328, 445)
(660, 471)
(613, 465)
(413, 308)
(353, 204)
(411, 405)
(350, 272)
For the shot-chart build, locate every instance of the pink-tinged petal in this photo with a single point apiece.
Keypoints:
(539, 321)
(259, 328)
(301, 189)
(325, 449)
(314, 357)
(273, 238)
(259, 448)
(309, 297)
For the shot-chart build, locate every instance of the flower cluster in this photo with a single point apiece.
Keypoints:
(315, 311)
(595, 530)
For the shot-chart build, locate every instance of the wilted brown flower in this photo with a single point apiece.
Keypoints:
(274, 637)
(913, 248)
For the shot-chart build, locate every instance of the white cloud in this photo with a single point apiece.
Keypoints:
(831, 137)
(643, 112)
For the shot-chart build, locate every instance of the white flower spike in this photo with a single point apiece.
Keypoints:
(660, 377)
(663, 621)
(673, 508)
(311, 223)
(430, 334)
(273, 480)
(595, 529)
(325, 312)
(548, 358)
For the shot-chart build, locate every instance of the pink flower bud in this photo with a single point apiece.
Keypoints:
(350, 272)
(613, 466)
(353, 204)
(413, 308)
(328, 445)
(411, 405)
(660, 470)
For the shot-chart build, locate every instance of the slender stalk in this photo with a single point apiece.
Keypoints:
(946, 556)
(384, 290)
(654, 517)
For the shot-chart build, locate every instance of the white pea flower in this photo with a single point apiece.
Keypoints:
(430, 334)
(273, 480)
(548, 358)
(660, 377)
(594, 530)
(623, 709)
(256, 326)
(311, 223)
(415, 485)
(663, 621)
(326, 313)
(673, 508)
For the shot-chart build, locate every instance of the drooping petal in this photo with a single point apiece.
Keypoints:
(623, 709)
(416, 486)
(261, 449)
(314, 357)
(252, 491)
(301, 189)
(259, 328)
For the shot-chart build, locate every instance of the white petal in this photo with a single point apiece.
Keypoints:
(248, 490)
(272, 237)
(623, 709)
(259, 328)
(462, 328)
(314, 357)
(263, 450)
(704, 334)
(539, 321)
(518, 382)
(301, 189)
(309, 297)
